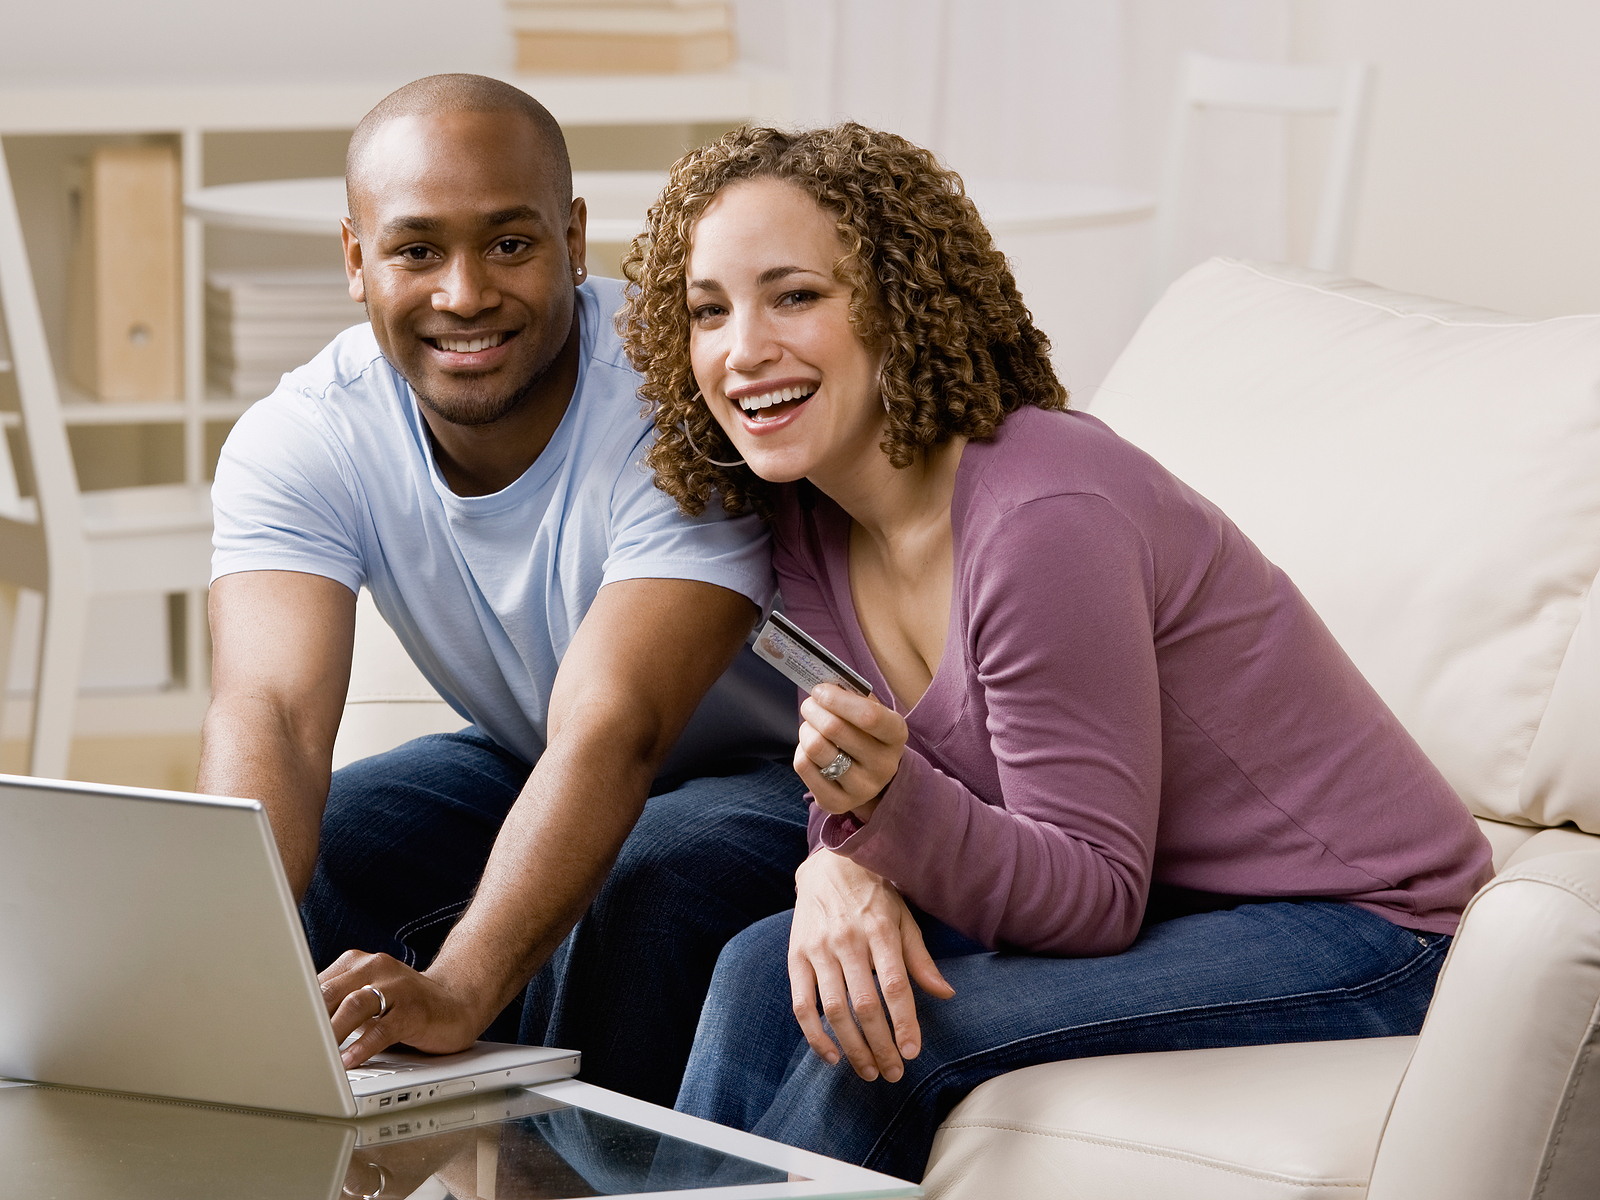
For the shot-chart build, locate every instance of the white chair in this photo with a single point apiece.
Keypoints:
(1340, 91)
(68, 545)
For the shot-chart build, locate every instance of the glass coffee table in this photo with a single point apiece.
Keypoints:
(563, 1139)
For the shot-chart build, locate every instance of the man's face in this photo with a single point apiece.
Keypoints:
(465, 260)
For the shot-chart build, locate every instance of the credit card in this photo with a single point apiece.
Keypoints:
(804, 659)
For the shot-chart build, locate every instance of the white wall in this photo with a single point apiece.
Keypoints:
(1483, 174)
(114, 41)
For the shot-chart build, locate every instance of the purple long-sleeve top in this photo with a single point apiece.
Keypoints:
(1130, 692)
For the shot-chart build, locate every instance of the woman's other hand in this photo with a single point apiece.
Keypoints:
(872, 734)
(848, 924)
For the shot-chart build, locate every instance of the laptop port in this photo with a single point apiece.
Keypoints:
(384, 1103)
(402, 1097)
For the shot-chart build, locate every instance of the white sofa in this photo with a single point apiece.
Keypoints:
(1430, 476)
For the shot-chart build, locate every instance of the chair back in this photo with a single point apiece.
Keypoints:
(1339, 91)
(42, 545)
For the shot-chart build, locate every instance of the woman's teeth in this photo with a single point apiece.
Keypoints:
(753, 404)
(469, 346)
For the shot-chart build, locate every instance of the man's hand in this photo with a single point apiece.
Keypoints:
(646, 653)
(849, 923)
(389, 1002)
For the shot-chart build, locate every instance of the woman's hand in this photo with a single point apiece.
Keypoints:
(872, 734)
(848, 924)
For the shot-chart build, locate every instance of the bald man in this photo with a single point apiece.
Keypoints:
(472, 457)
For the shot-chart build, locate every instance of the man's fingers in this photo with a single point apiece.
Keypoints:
(377, 1036)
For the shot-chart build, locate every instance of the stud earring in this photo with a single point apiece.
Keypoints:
(684, 429)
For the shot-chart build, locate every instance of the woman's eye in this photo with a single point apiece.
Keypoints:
(792, 298)
(706, 312)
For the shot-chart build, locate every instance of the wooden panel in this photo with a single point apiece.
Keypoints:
(124, 320)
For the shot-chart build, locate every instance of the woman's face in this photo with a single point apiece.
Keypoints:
(770, 337)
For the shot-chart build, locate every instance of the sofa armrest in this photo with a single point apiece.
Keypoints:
(1503, 1094)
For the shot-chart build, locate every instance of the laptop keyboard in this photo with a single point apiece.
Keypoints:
(376, 1072)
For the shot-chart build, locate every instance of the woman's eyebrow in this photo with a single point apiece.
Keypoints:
(770, 275)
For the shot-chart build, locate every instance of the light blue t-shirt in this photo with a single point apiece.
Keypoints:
(333, 475)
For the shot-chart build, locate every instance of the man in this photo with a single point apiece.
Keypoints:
(472, 457)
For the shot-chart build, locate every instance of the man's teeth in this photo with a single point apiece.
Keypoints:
(782, 395)
(469, 346)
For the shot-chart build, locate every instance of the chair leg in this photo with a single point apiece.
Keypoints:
(8, 635)
(55, 693)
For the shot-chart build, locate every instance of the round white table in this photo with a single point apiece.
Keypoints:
(617, 203)
(618, 200)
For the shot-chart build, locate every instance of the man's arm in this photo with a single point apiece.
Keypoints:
(646, 653)
(281, 665)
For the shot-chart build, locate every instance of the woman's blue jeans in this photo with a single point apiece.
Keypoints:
(405, 836)
(1294, 971)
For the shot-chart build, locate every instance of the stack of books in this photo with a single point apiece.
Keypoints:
(621, 36)
(262, 323)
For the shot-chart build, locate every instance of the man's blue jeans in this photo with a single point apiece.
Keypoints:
(404, 840)
(1261, 972)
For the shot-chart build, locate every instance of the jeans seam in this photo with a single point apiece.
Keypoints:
(1150, 1020)
(427, 920)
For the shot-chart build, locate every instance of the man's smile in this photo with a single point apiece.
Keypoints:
(471, 349)
(468, 345)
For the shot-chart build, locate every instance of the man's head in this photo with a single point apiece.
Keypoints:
(464, 241)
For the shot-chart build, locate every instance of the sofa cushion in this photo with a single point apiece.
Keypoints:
(1251, 1123)
(1427, 474)
(389, 701)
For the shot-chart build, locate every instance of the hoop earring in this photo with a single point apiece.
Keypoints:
(684, 429)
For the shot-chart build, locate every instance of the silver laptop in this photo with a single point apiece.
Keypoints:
(149, 943)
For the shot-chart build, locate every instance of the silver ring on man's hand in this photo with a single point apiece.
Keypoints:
(383, 1001)
(835, 770)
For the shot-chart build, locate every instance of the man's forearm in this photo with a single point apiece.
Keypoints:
(549, 860)
(248, 750)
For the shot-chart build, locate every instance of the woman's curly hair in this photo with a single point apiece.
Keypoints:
(927, 284)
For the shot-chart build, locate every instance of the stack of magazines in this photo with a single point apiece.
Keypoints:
(623, 36)
(262, 323)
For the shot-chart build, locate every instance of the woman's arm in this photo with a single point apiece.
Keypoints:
(1059, 597)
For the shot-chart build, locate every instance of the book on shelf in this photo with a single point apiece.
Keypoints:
(262, 323)
(664, 37)
(124, 280)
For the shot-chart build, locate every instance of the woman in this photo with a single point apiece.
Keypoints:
(1122, 792)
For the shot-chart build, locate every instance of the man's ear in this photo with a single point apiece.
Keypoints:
(352, 260)
(578, 238)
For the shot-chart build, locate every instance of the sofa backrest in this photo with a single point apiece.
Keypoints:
(1429, 475)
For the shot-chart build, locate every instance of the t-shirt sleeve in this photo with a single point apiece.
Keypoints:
(1060, 607)
(653, 539)
(280, 501)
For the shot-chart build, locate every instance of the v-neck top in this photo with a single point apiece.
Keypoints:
(1130, 692)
